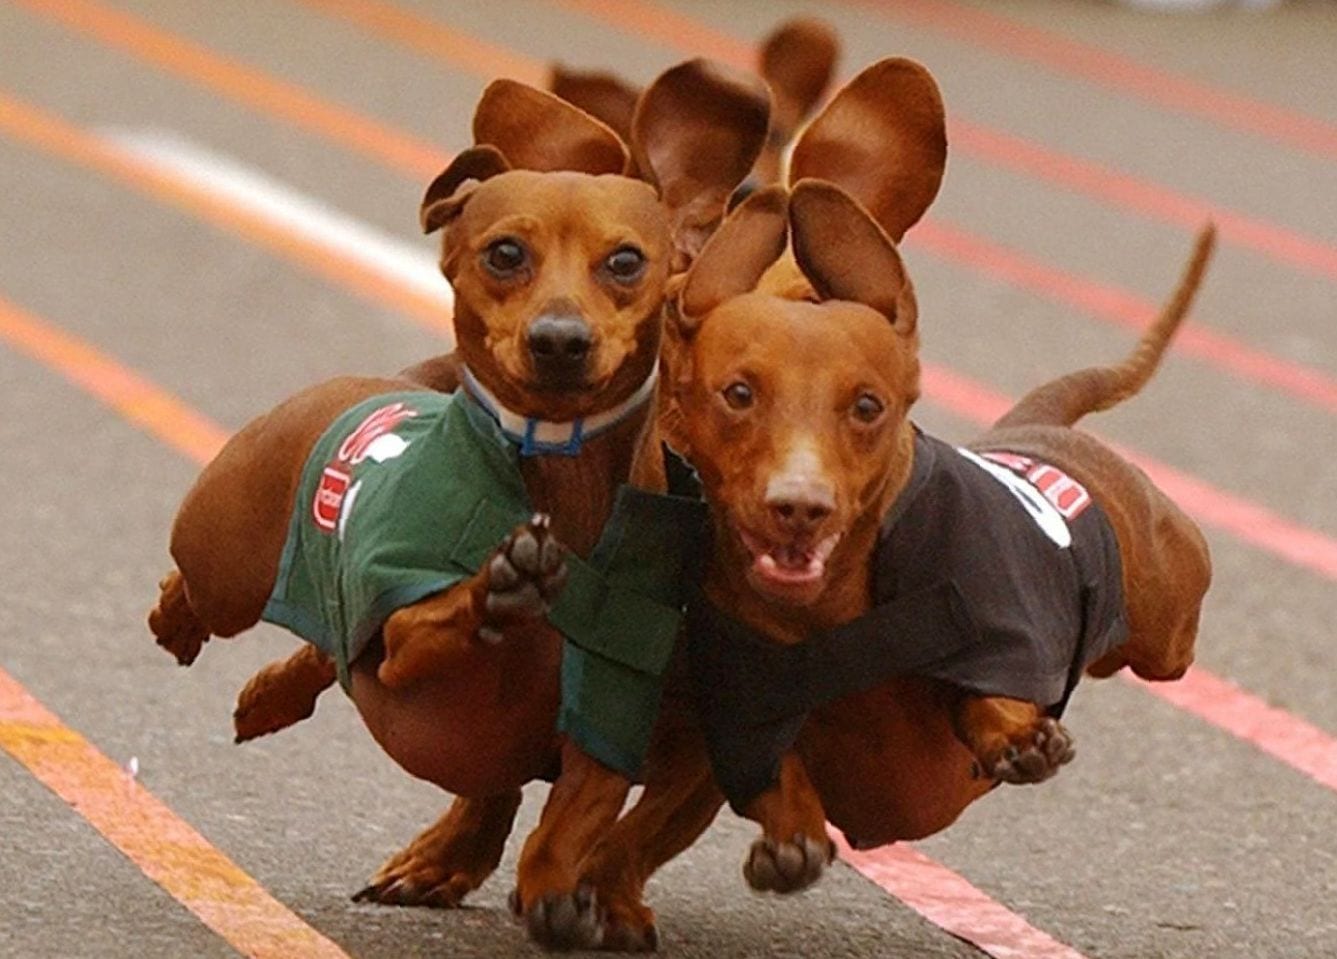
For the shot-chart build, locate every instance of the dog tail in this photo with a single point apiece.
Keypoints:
(1064, 401)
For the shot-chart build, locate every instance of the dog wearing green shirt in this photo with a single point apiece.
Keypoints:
(493, 574)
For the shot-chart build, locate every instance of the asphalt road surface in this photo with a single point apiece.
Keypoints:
(207, 205)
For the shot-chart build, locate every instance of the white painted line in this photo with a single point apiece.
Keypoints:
(280, 205)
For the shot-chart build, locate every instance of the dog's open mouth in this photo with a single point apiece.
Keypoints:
(785, 567)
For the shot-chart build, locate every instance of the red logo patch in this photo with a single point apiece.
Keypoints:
(334, 481)
(329, 498)
(1063, 492)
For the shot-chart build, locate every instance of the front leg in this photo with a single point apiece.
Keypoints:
(794, 848)
(560, 912)
(513, 591)
(679, 802)
(1013, 740)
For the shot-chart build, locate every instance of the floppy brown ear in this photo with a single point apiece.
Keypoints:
(440, 203)
(536, 130)
(845, 254)
(733, 260)
(883, 139)
(606, 97)
(798, 59)
(696, 132)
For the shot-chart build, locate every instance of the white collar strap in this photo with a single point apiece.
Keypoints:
(537, 437)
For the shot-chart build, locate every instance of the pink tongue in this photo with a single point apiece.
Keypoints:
(768, 568)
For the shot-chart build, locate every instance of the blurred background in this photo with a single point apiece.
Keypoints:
(205, 206)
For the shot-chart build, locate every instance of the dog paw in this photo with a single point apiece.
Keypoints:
(786, 866)
(174, 624)
(524, 577)
(277, 697)
(407, 886)
(562, 921)
(1032, 758)
(632, 931)
(259, 713)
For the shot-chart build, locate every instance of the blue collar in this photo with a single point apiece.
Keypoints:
(537, 437)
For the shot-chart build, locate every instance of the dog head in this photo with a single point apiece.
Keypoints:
(559, 258)
(794, 411)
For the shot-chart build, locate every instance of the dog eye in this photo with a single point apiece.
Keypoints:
(504, 257)
(867, 408)
(738, 395)
(625, 264)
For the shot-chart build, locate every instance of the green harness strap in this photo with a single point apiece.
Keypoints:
(407, 494)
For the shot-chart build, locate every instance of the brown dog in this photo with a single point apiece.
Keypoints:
(797, 60)
(996, 574)
(792, 401)
(559, 264)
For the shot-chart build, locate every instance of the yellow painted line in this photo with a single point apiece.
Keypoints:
(154, 838)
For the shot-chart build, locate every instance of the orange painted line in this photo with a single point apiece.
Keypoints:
(139, 401)
(991, 31)
(243, 84)
(155, 839)
(39, 129)
(436, 40)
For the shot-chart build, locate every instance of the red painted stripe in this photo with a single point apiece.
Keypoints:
(1143, 197)
(983, 28)
(1296, 743)
(164, 846)
(951, 903)
(1112, 305)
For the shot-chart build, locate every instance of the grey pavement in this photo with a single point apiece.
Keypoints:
(1166, 838)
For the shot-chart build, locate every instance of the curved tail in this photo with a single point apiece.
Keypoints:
(1064, 401)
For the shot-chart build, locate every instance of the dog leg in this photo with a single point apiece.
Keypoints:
(174, 622)
(282, 693)
(514, 589)
(559, 911)
(679, 803)
(1013, 740)
(448, 860)
(794, 848)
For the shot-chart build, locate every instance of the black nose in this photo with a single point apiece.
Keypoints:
(799, 514)
(559, 345)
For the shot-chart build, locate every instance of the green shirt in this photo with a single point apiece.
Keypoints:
(407, 494)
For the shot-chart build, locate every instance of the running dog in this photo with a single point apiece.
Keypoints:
(437, 549)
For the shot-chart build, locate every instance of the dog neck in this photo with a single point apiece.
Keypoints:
(537, 437)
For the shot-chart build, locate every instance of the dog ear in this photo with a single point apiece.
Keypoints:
(846, 255)
(440, 203)
(536, 130)
(735, 257)
(604, 96)
(797, 59)
(883, 139)
(696, 133)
